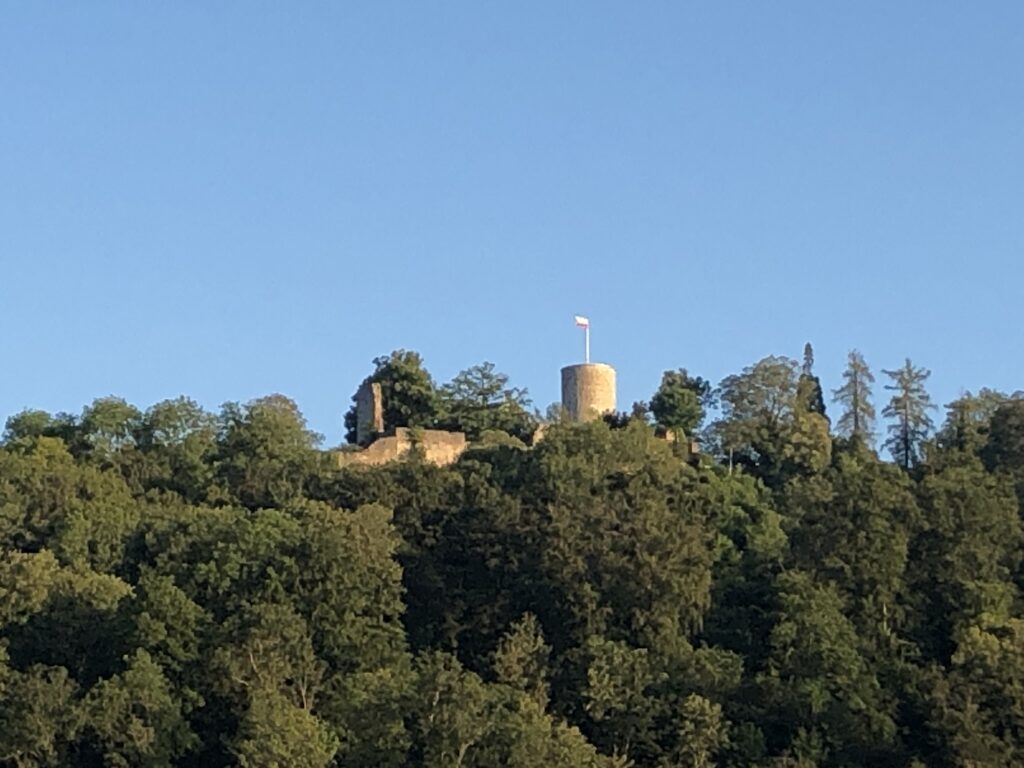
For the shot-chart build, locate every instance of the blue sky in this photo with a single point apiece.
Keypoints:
(230, 199)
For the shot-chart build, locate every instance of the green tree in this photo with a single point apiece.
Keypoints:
(964, 554)
(274, 733)
(619, 698)
(31, 423)
(852, 529)
(1004, 446)
(479, 399)
(979, 706)
(410, 398)
(822, 696)
(680, 402)
(522, 660)
(28, 423)
(47, 499)
(968, 418)
(702, 733)
(178, 440)
(766, 424)
(134, 718)
(109, 424)
(811, 396)
(858, 418)
(908, 408)
(452, 711)
(39, 716)
(265, 452)
(624, 554)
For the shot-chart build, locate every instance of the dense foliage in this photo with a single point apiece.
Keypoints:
(180, 588)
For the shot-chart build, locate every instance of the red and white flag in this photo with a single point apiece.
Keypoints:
(582, 322)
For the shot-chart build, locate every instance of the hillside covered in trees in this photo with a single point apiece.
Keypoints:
(834, 581)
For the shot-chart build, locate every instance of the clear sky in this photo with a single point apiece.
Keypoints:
(232, 199)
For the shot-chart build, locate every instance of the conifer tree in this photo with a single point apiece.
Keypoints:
(909, 408)
(809, 386)
(858, 419)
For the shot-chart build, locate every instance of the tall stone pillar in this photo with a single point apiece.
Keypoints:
(369, 412)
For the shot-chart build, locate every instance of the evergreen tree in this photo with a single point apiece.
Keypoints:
(809, 385)
(909, 408)
(680, 401)
(858, 419)
(479, 399)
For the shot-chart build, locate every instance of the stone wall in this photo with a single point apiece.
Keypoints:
(437, 447)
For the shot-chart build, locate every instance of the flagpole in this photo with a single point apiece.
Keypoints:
(586, 342)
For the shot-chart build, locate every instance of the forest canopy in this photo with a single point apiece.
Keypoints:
(187, 588)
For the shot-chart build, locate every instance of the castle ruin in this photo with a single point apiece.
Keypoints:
(588, 392)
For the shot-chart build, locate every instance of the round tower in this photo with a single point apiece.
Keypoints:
(588, 390)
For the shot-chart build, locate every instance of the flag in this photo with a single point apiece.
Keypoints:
(582, 322)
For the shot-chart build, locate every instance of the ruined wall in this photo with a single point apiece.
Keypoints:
(436, 446)
(369, 412)
(588, 390)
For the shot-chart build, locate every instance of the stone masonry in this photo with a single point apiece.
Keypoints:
(369, 412)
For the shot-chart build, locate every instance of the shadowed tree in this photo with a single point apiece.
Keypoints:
(1004, 447)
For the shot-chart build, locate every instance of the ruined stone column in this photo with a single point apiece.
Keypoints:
(369, 412)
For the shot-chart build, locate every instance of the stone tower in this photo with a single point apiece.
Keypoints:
(588, 390)
(369, 412)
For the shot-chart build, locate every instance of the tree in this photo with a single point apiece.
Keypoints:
(39, 717)
(818, 684)
(479, 399)
(522, 658)
(979, 708)
(968, 418)
(265, 451)
(27, 424)
(809, 386)
(854, 524)
(452, 710)
(407, 389)
(1004, 446)
(109, 424)
(619, 698)
(768, 426)
(274, 733)
(680, 401)
(178, 442)
(134, 718)
(964, 555)
(909, 408)
(702, 732)
(858, 419)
